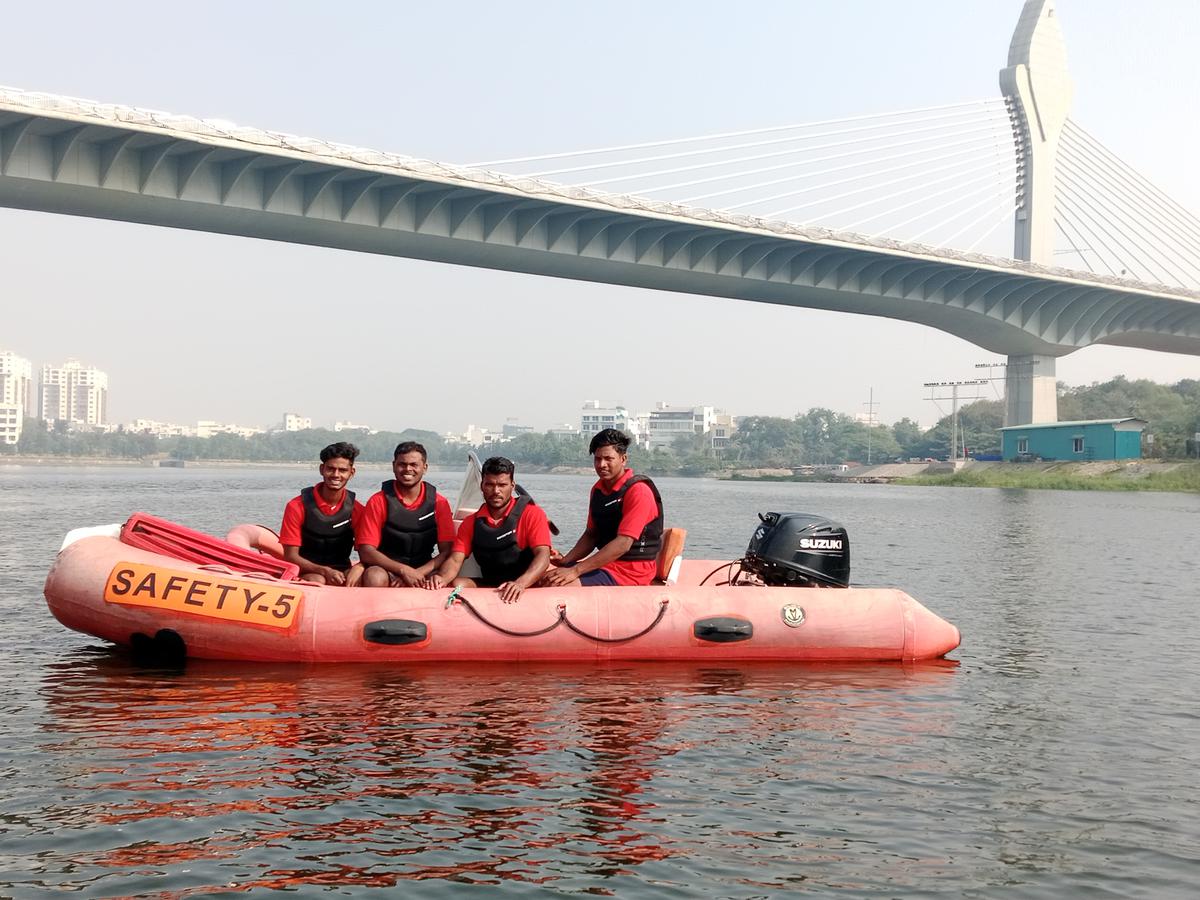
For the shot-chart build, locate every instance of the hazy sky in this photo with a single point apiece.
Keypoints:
(196, 326)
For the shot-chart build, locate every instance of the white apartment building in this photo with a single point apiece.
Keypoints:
(512, 428)
(293, 422)
(11, 417)
(475, 435)
(206, 428)
(595, 417)
(16, 395)
(719, 432)
(350, 426)
(74, 393)
(16, 380)
(667, 423)
(161, 429)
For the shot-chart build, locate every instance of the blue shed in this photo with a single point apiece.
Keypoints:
(1096, 439)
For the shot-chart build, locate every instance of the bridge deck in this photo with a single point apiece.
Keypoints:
(81, 158)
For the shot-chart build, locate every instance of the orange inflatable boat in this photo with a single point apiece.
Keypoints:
(151, 584)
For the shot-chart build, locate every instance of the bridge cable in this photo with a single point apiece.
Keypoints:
(1111, 223)
(1090, 165)
(917, 143)
(921, 184)
(1006, 216)
(1064, 221)
(1177, 243)
(1002, 201)
(856, 178)
(729, 134)
(958, 190)
(727, 148)
(986, 172)
(974, 144)
(1074, 249)
(1170, 243)
(982, 188)
(1079, 189)
(1182, 212)
(989, 196)
(1097, 233)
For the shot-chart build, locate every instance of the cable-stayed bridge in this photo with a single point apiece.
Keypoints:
(1000, 221)
(949, 177)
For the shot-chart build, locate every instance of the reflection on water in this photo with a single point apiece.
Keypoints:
(231, 778)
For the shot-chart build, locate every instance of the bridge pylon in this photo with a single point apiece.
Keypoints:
(1038, 91)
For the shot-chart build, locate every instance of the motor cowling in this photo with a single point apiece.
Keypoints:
(799, 550)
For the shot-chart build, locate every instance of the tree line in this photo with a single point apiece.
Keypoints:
(816, 437)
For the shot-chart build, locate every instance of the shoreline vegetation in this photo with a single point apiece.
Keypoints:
(1119, 475)
(819, 445)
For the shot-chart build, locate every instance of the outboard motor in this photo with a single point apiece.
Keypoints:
(799, 550)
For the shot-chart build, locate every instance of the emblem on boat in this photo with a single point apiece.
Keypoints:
(793, 615)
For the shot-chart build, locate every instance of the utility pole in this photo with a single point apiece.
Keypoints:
(954, 398)
(870, 405)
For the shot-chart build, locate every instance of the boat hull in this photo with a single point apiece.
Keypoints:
(103, 587)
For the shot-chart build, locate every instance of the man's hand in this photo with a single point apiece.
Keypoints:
(408, 576)
(510, 591)
(333, 576)
(354, 576)
(560, 577)
(434, 582)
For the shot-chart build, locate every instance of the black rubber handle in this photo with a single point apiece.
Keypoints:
(723, 629)
(395, 631)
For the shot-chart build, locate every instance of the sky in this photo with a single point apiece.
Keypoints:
(195, 326)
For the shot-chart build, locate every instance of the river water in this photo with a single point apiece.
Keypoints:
(1056, 756)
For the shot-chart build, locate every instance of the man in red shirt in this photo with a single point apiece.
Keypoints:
(509, 535)
(318, 526)
(403, 523)
(624, 525)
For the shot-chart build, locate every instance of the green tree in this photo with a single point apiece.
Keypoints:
(908, 436)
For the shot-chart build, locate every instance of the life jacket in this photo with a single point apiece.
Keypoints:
(327, 539)
(495, 546)
(606, 512)
(409, 536)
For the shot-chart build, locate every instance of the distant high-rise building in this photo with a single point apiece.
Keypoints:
(16, 395)
(293, 422)
(74, 393)
(16, 380)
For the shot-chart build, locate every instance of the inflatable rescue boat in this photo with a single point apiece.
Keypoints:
(154, 585)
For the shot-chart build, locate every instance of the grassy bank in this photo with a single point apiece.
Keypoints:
(1134, 475)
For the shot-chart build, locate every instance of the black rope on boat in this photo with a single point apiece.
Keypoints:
(728, 565)
(662, 611)
(562, 617)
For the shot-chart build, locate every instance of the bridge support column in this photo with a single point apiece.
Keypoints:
(1030, 390)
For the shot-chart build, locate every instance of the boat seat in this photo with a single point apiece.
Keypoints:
(670, 555)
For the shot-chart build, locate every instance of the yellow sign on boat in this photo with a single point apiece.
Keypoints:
(200, 594)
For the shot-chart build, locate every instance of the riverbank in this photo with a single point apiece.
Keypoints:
(1119, 475)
